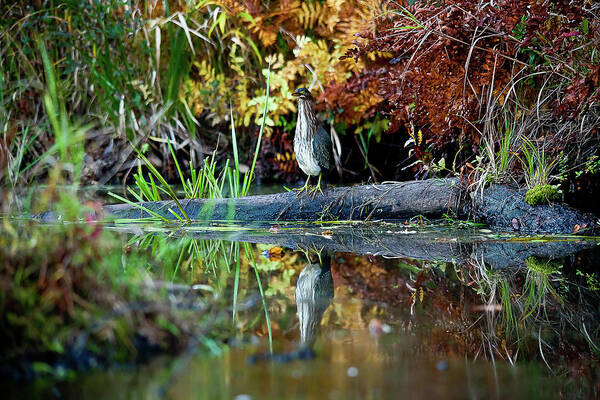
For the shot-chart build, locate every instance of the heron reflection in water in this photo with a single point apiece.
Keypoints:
(314, 293)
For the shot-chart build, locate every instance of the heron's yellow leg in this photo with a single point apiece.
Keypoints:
(317, 188)
(303, 188)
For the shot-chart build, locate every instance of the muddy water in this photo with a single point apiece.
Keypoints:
(372, 311)
(349, 365)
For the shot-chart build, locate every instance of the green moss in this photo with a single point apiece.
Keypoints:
(542, 265)
(542, 194)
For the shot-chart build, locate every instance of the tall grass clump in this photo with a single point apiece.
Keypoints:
(84, 72)
(537, 164)
(205, 182)
(66, 153)
(499, 140)
(68, 136)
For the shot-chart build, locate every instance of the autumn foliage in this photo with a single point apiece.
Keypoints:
(447, 68)
(446, 81)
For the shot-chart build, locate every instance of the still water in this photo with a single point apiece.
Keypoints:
(369, 311)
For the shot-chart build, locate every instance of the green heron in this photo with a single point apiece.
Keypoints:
(312, 144)
(314, 293)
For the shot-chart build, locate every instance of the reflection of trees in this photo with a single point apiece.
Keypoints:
(314, 292)
(501, 299)
(532, 312)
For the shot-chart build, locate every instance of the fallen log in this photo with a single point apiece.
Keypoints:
(432, 199)
(500, 207)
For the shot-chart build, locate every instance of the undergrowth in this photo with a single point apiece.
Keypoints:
(525, 112)
(165, 77)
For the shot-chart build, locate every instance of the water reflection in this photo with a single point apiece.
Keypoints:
(429, 242)
(506, 317)
(314, 294)
(514, 294)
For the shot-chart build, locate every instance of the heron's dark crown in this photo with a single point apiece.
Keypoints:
(303, 93)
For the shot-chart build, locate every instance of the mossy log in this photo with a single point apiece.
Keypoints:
(505, 209)
(500, 207)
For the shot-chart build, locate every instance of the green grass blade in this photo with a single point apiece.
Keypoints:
(247, 182)
(250, 255)
(141, 207)
(236, 283)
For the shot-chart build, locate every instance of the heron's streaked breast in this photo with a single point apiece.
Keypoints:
(306, 126)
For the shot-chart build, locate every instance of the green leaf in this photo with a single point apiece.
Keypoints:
(221, 19)
(247, 17)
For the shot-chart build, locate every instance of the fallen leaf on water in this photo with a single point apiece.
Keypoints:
(579, 228)
(327, 234)
(273, 254)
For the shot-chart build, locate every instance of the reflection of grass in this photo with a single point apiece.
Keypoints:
(536, 289)
(183, 258)
(250, 254)
(510, 319)
(533, 307)
(543, 266)
(187, 260)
